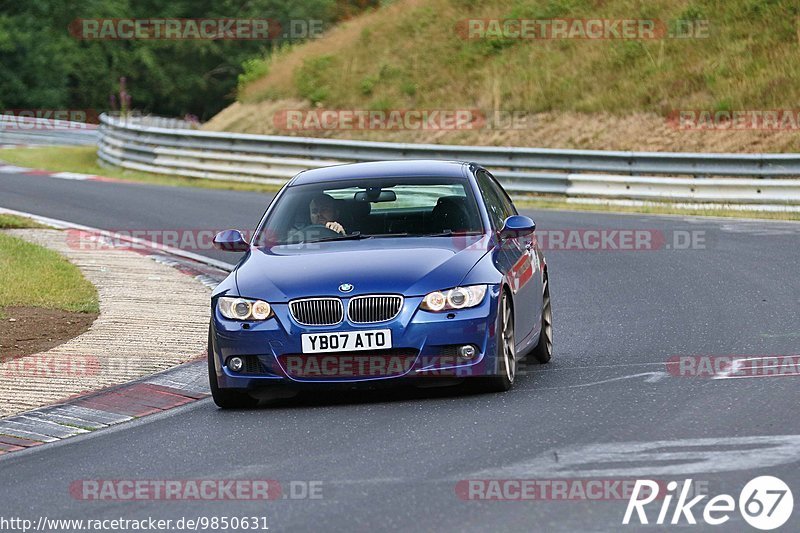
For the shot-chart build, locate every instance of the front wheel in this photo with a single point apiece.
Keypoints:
(226, 399)
(544, 349)
(506, 349)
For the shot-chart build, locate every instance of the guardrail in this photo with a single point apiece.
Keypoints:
(730, 178)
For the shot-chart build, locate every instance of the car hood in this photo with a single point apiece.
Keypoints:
(409, 266)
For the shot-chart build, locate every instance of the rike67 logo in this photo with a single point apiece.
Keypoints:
(765, 503)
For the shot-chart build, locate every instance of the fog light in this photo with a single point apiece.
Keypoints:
(235, 363)
(467, 351)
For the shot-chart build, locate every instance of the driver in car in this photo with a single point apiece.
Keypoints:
(324, 212)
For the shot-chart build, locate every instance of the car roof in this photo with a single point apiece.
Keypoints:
(383, 169)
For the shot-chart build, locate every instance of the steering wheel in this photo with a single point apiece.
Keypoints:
(327, 232)
(314, 231)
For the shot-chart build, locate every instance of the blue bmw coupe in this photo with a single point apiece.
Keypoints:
(401, 271)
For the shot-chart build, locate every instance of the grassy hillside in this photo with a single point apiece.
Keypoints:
(409, 55)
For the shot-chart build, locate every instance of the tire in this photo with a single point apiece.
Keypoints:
(506, 349)
(543, 351)
(225, 399)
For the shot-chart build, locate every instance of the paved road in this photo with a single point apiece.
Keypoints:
(394, 460)
(130, 206)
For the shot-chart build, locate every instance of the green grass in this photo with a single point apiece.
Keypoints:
(83, 159)
(410, 55)
(659, 209)
(16, 222)
(37, 277)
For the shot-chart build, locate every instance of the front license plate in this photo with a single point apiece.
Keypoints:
(347, 341)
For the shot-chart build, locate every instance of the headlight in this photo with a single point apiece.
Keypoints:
(456, 298)
(243, 309)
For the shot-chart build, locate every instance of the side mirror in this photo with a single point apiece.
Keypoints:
(517, 226)
(231, 240)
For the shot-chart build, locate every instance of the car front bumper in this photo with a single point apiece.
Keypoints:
(423, 346)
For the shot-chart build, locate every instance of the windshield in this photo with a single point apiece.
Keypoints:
(386, 207)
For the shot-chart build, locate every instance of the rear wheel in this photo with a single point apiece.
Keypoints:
(544, 349)
(224, 398)
(506, 349)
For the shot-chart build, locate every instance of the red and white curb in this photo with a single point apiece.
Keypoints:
(5, 168)
(95, 410)
(172, 388)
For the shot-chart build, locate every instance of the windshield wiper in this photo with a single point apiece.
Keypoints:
(450, 233)
(356, 235)
(385, 235)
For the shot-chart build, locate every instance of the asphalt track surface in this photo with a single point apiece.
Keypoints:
(393, 460)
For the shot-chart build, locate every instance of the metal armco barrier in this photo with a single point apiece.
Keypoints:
(728, 178)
